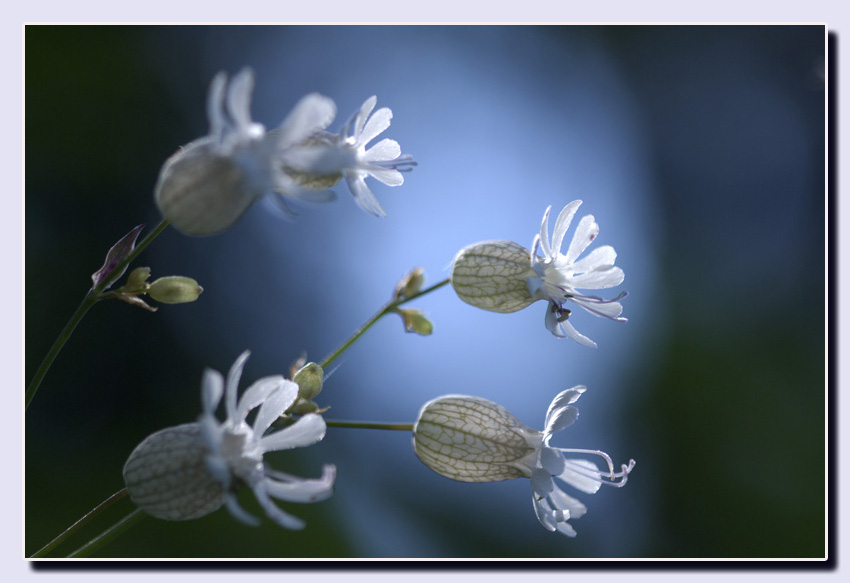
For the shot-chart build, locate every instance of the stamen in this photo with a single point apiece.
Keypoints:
(622, 475)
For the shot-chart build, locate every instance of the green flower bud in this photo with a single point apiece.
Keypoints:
(175, 289)
(410, 284)
(302, 407)
(415, 321)
(137, 278)
(309, 380)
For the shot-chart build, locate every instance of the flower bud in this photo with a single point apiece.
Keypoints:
(415, 321)
(309, 380)
(175, 289)
(410, 284)
(137, 278)
(492, 275)
(302, 407)
(473, 440)
(167, 475)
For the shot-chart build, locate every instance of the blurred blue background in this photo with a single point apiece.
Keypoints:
(699, 150)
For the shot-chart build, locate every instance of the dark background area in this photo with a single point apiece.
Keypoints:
(700, 151)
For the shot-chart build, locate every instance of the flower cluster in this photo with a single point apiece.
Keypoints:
(188, 471)
(206, 186)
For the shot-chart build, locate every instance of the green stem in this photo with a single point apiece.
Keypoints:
(368, 425)
(385, 309)
(76, 526)
(109, 534)
(91, 299)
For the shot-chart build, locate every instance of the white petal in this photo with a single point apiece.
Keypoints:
(600, 279)
(379, 122)
(599, 257)
(238, 512)
(306, 431)
(388, 176)
(552, 461)
(567, 529)
(543, 513)
(275, 405)
(254, 395)
(273, 511)
(562, 223)
(610, 310)
(552, 323)
(576, 475)
(541, 482)
(212, 387)
(215, 99)
(239, 99)
(303, 490)
(564, 398)
(562, 501)
(559, 419)
(362, 195)
(363, 115)
(576, 335)
(543, 236)
(585, 233)
(383, 151)
(233, 384)
(312, 113)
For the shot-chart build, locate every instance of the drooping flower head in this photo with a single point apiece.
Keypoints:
(188, 471)
(206, 186)
(471, 439)
(326, 158)
(503, 276)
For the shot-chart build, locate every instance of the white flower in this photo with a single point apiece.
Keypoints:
(560, 276)
(190, 470)
(471, 439)
(346, 155)
(205, 187)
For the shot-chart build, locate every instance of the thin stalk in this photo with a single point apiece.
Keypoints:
(76, 526)
(109, 534)
(370, 425)
(387, 308)
(91, 299)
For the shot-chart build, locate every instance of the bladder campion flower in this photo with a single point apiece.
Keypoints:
(326, 158)
(471, 439)
(205, 187)
(188, 471)
(503, 276)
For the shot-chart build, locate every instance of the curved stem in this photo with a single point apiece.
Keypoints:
(109, 534)
(91, 299)
(76, 526)
(370, 425)
(385, 309)
(88, 302)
